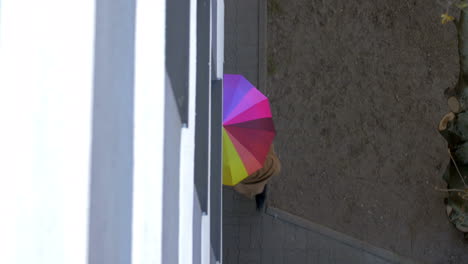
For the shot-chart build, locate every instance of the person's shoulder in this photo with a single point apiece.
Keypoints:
(272, 164)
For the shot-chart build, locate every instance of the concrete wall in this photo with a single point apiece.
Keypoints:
(110, 222)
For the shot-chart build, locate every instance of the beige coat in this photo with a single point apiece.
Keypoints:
(255, 183)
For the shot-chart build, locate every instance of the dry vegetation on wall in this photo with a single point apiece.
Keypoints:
(454, 126)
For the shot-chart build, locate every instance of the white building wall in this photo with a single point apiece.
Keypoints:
(47, 54)
(46, 78)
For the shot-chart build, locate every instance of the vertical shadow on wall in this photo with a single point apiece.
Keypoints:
(110, 216)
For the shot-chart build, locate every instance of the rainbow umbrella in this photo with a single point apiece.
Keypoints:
(248, 129)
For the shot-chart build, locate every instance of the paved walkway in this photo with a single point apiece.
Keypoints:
(275, 237)
(244, 38)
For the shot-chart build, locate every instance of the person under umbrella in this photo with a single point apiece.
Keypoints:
(248, 131)
(255, 185)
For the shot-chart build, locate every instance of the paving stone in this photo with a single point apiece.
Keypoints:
(325, 250)
(250, 256)
(228, 202)
(343, 253)
(313, 240)
(230, 220)
(295, 237)
(272, 256)
(256, 236)
(369, 258)
(242, 207)
(231, 236)
(289, 237)
(301, 237)
(231, 256)
(232, 230)
(325, 256)
(241, 38)
(244, 237)
(255, 219)
(273, 233)
(294, 255)
(312, 255)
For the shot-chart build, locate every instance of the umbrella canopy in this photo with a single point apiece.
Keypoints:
(248, 129)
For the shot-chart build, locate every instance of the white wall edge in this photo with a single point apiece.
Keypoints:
(149, 131)
(220, 39)
(205, 238)
(187, 152)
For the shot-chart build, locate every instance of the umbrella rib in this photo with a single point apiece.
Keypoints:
(245, 147)
(228, 144)
(252, 96)
(245, 110)
(237, 88)
(260, 163)
(269, 126)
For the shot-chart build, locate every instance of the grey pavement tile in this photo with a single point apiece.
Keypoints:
(245, 66)
(325, 254)
(254, 219)
(228, 193)
(312, 240)
(231, 256)
(313, 247)
(231, 236)
(228, 202)
(226, 255)
(256, 235)
(272, 256)
(312, 255)
(347, 254)
(250, 256)
(242, 208)
(251, 76)
(301, 237)
(273, 233)
(231, 230)
(244, 236)
(230, 70)
(295, 237)
(295, 255)
(369, 258)
(232, 245)
(229, 38)
(230, 220)
(289, 236)
(251, 6)
(248, 38)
